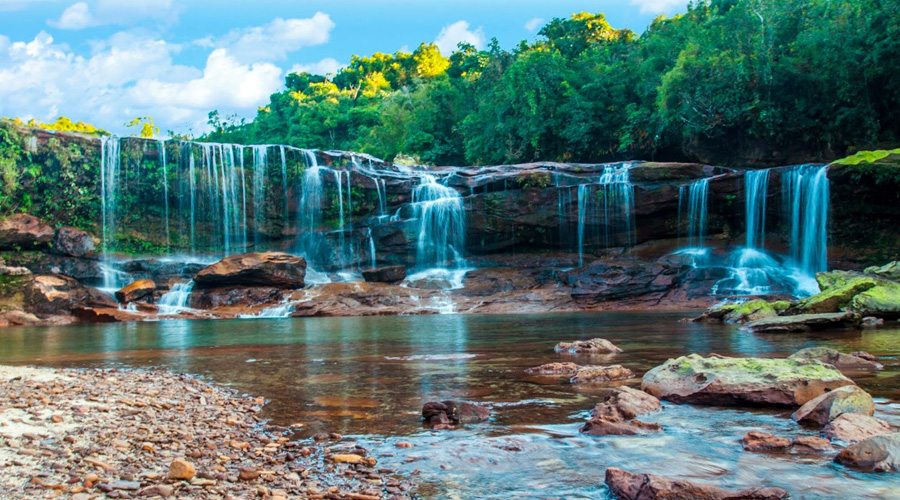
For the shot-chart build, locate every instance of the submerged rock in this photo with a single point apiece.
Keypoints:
(597, 374)
(391, 274)
(841, 361)
(454, 413)
(742, 381)
(877, 454)
(593, 346)
(630, 486)
(554, 369)
(25, 232)
(831, 405)
(805, 323)
(135, 291)
(765, 442)
(854, 427)
(269, 269)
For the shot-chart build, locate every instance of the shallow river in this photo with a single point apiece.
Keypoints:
(367, 378)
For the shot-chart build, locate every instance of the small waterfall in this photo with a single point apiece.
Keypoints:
(109, 182)
(756, 192)
(165, 169)
(806, 197)
(311, 197)
(260, 167)
(610, 199)
(442, 224)
(176, 300)
(698, 196)
(372, 254)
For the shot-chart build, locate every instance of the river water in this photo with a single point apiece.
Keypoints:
(367, 378)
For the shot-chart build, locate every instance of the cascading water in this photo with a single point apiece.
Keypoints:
(260, 166)
(442, 224)
(806, 195)
(109, 181)
(698, 196)
(610, 202)
(756, 186)
(176, 300)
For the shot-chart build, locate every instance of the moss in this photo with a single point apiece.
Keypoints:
(837, 296)
(882, 300)
(867, 157)
(772, 369)
(890, 271)
(751, 310)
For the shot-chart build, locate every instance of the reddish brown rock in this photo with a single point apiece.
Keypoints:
(58, 294)
(390, 274)
(876, 454)
(136, 291)
(810, 444)
(625, 403)
(630, 486)
(567, 369)
(24, 231)
(831, 405)
(606, 427)
(763, 441)
(270, 269)
(843, 362)
(593, 346)
(182, 469)
(599, 374)
(73, 242)
(454, 412)
(855, 427)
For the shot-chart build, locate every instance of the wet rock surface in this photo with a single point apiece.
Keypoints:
(391, 274)
(845, 362)
(630, 486)
(765, 442)
(831, 405)
(135, 291)
(118, 434)
(597, 374)
(269, 269)
(24, 232)
(877, 454)
(593, 346)
(446, 414)
(805, 323)
(616, 414)
(855, 427)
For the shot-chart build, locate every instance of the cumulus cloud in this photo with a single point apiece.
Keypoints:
(458, 32)
(327, 66)
(82, 15)
(126, 76)
(534, 24)
(274, 41)
(658, 6)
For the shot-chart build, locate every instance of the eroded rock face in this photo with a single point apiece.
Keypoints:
(600, 281)
(844, 362)
(270, 269)
(831, 405)
(630, 486)
(73, 242)
(26, 232)
(599, 374)
(391, 274)
(877, 454)
(593, 346)
(135, 291)
(855, 427)
(742, 381)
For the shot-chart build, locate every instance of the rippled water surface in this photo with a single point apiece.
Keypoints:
(368, 378)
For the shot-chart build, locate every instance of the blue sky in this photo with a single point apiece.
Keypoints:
(107, 61)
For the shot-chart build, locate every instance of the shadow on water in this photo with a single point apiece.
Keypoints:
(369, 377)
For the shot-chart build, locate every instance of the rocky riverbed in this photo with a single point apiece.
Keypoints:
(86, 434)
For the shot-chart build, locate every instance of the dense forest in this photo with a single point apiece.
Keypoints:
(729, 81)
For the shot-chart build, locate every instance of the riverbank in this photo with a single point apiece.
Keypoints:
(85, 434)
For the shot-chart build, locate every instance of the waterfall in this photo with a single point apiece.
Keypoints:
(756, 191)
(312, 195)
(372, 253)
(442, 224)
(109, 181)
(260, 165)
(610, 198)
(806, 197)
(165, 169)
(176, 300)
(698, 196)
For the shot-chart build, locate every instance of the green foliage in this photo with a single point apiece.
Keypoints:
(145, 126)
(538, 180)
(61, 124)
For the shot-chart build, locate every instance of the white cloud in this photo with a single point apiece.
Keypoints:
(324, 67)
(658, 6)
(8, 5)
(457, 32)
(128, 75)
(534, 24)
(114, 12)
(274, 41)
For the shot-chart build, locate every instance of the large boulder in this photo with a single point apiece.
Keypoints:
(835, 298)
(73, 242)
(742, 381)
(135, 291)
(601, 282)
(630, 486)
(270, 269)
(55, 294)
(854, 427)
(592, 346)
(26, 232)
(890, 271)
(390, 274)
(752, 310)
(831, 405)
(805, 323)
(844, 362)
(877, 454)
(881, 301)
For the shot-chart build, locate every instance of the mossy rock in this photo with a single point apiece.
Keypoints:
(835, 297)
(742, 381)
(890, 271)
(752, 310)
(833, 279)
(881, 301)
(862, 157)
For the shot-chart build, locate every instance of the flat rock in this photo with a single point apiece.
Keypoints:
(625, 403)
(742, 381)
(593, 346)
(855, 427)
(831, 405)
(841, 361)
(567, 369)
(597, 374)
(269, 269)
(630, 486)
(26, 232)
(606, 427)
(876, 454)
(804, 323)
(765, 442)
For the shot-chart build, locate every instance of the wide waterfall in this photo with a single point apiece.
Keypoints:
(806, 198)
(442, 224)
(609, 203)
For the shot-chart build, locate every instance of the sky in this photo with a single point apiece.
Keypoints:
(106, 62)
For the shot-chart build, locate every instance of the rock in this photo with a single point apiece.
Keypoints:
(135, 291)
(804, 323)
(841, 361)
(55, 294)
(454, 412)
(763, 441)
(351, 458)
(741, 381)
(890, 271)
(864, 355)
(831, 405)
(248, 473)
(593, 346)
(391, 274)
(836, 298)
(625, 403)
(871, 321)
(629, 486)
(73, 242)
(181, 469)
(855, 427)
(752, 310)
(270, 269)
(882, 300)
(606, 427)
(25, 232)
(810, 444)
(877, 454)
(602, 282)
(20, 318)
(595, 374)
(568, 369)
